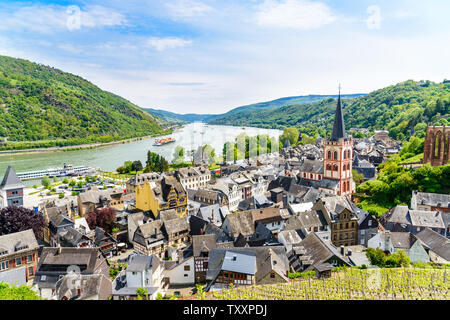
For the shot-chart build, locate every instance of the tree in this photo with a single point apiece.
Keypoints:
(290, 133)
(178, 155)
(13, 292)
(137, 166)
(128, 166)
(156, 163)
(376, 256)
(103, 218)
(65, 181)
(46, 182)
(210, 152)
(201, 294)
(15, 219)
(121, 170)
(358, 177)
(72, 183)
(142, 293)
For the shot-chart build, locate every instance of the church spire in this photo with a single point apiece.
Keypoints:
(338, 126)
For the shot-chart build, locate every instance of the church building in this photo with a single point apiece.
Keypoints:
(335, 173)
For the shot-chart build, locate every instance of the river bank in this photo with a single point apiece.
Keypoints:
(80, 146)
(111, 155)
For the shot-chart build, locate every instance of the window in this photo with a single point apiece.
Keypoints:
(30, 271)
(4, 265)
(187, 268)
(329, 154)
(272, 275)
(335, 155)
(185, 275)
(29, 258)
(18, 261)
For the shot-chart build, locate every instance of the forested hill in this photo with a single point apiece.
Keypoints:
(255, 107)
(397, 108)
(41, 103)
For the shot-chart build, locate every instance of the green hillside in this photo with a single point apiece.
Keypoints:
(177, 118)
(218, 118)
(43, 106)
(397, 108)
(274, 104)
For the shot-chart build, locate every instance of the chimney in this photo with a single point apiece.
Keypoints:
(342, 250)
(285, 200)
(349, 252)
(156, 233)
(79, 292)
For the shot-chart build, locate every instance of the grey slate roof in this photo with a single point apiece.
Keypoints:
(241, 223)
(11, 180)
(18, 241)
(176, 225)
(90, 285)
(338, 126)
(435, 242)
(237, 261)
(430, 199)
(315, 166)
(140, 263)
(203, 243)
(430, 219)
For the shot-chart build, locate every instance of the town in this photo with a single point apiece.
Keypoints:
(192, 231)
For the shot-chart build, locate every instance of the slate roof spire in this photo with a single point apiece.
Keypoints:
(11, 180)
(338, 126)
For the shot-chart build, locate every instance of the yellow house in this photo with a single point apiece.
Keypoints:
(166, 194)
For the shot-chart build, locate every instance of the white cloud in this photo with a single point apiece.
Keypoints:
(299, 14)
(161, 44)
(52, 18)
(187, 8)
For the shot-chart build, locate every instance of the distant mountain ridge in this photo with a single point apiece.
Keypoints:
(400, 108)
(267, 105)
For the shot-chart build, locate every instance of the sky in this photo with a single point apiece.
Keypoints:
(209, 56)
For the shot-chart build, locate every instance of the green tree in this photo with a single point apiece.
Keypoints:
(290, 133)
(46, 182)
(376, 256)
(12, 292)
(210, 152)
(142, 294)
(201, 294)
(357, 177)
(137, 166)
(128, 166)
(121, 170)
(178, 155)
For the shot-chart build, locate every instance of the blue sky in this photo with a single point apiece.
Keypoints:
(208, 56)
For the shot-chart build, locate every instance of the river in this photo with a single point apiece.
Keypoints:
(110, 157)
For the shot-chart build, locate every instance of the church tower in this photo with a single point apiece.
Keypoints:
(338, 154)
